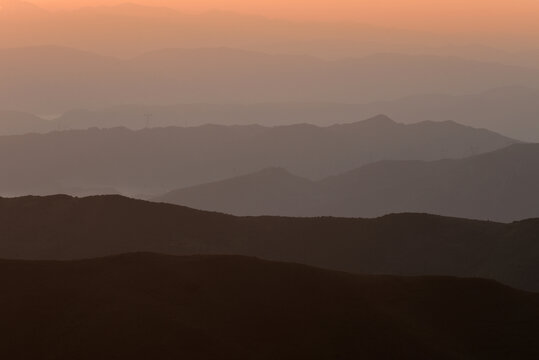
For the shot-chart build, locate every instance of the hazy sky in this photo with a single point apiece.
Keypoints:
(453, 15)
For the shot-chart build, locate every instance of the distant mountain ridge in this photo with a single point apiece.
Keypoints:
(19, 123)
(62, 227)
(229, 75)
(157, 160)
(220, 28)
(501, 186)
(170, 28)
(511, 111)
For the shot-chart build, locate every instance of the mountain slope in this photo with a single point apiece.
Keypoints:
(278, 190)
(61, 227)
(153, 161)
(501, 185)
(148, 306)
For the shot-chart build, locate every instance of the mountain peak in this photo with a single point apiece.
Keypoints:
(378, 120)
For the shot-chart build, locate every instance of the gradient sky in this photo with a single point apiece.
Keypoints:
(453, 15)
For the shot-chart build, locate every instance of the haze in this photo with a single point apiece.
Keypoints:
(269, 179)
(454, 15)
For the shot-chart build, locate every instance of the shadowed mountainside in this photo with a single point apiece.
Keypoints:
(154, 161)
(150, 306)
(501, 186)
(62, 227)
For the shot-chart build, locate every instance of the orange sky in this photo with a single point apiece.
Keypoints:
(451, 15)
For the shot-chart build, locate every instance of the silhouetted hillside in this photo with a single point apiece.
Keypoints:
(61, 227)
(149, 306)
(158, 160)
(501, 185)
(224, 75)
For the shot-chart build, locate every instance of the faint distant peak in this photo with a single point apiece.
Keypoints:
(269, 175)
(379, 119)
(19, 7)
(375, 121)
(224, 14)
(443, 123)
(131, 9)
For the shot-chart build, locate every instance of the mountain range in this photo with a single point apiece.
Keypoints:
(501, 186)
(62, 227)
(168, 28)
(153, 161)
(142, 306)
(163, 27)
(221, 185)
(226, 75)
(512, 111)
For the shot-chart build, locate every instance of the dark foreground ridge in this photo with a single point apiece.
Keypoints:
(145, 306)
(62, 227)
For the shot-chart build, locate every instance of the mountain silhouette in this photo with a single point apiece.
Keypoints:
(62, 227)
(142, 306)
(500, 186)
(154, 161)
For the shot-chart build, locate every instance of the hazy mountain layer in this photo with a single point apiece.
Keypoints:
(501, 186)
(52, 80)
(61, 227)
(512, 111)
(158, 160)
(19, 123)
(121, 26)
